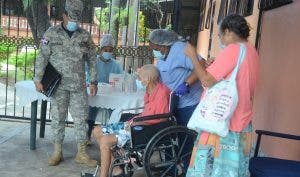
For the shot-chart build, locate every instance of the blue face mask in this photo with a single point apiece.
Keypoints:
(107, 55)
(157, 54)
(222, 46)
(139, 85)
(72, 26)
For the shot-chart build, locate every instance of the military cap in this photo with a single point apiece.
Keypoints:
(74, 9)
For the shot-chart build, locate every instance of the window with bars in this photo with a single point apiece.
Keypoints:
(202, 15)
(210, 14)
(242, 7)
(272, 4)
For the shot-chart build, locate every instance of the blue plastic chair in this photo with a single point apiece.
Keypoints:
(273, 167)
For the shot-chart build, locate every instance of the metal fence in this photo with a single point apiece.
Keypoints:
(23, 23)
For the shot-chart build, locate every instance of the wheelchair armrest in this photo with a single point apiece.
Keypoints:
(151, 117)
(130, 109)
(273, 134)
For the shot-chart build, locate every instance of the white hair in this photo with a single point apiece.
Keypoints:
(150, 73)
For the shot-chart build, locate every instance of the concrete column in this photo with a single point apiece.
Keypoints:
(133, 23)
(114, 28)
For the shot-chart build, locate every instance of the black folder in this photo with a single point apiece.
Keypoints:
(51, 80)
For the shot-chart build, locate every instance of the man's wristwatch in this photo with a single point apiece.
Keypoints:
(186, 84)
(94, 83)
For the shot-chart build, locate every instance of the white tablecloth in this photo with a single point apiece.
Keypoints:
(25, 91)
(116, 100)
(105, 98)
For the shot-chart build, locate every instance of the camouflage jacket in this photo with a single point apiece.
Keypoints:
(68, 56)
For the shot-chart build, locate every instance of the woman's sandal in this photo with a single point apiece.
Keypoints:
(120, 175)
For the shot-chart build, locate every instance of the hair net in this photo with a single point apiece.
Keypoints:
(107, 40)
(163, 37)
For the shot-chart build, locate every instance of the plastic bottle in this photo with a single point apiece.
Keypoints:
(130, 84)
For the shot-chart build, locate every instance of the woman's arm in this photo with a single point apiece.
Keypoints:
(206, 79)
(193, 78)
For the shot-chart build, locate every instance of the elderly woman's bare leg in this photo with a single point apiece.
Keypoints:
(97, 133)
(105, 144)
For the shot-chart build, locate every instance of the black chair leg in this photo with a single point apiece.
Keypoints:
(91, 125)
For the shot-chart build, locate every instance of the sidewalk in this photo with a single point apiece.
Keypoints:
(16, 160)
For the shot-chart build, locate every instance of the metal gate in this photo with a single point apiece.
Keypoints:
(23, 23)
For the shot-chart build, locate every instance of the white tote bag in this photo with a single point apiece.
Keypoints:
(218, 104)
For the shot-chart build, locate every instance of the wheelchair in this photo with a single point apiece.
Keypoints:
(158, 148)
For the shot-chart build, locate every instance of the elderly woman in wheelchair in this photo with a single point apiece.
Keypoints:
(156, 101)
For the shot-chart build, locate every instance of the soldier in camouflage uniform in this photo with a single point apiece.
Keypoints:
(67, 46)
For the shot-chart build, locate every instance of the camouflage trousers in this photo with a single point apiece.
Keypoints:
(77, 103)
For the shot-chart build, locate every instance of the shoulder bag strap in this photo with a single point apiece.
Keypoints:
(242, 55)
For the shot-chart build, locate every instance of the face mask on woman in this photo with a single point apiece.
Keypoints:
(107, 55)
(222, 46)
(157, 54)
(72, 26)
(139, 85)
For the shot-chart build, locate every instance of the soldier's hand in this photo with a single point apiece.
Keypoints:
(39, 87)
(93, 89)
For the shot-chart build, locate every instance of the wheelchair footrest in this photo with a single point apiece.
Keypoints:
(87, 175)
(90, 174)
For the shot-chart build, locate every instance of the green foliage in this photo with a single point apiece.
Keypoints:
(18, 75)
(143, 31)
(24, 63)
(5, 51)
(26, 3)
(169, 27)
(121, 16)
(23, 59)
(5, 48)
(102, 15)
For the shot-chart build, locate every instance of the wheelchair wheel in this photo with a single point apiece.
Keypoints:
(164, 154)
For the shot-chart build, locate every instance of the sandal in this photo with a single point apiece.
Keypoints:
(122, 174)
(119, 175)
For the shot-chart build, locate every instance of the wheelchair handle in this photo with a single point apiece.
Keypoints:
(151, 117)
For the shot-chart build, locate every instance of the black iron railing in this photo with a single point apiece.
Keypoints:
(22, 24)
